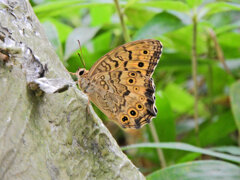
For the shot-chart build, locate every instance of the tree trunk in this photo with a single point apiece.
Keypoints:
(46, 129)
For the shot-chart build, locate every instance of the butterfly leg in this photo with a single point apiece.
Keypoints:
(88, 107)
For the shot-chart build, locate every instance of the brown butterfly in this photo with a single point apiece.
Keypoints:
(120, 83)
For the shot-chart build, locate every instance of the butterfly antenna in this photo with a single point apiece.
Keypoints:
(81, 55)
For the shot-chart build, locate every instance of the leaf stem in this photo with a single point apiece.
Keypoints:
(210, 77)
(194, 75)
(123, 25)
(156, 140)
(218, 50)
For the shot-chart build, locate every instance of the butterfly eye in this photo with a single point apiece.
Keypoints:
(131, 80)
(81, 72)
(142, 98)
(102, 82)
(124, 118)
(140, 64)
(139, 106)
(132, 112)
(145, 52)
(106, 87)
(136, 89)
(132, 74)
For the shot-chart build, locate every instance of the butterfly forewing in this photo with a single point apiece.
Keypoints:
(141, 55)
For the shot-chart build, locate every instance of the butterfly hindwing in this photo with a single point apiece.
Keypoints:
(126, 97)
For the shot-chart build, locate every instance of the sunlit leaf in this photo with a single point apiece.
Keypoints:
(63, 29)
(199, 170)
(217, 7)
(184, 147)
(181, 101)
(193, 3)
(52, 36)
(235, 102)
(227, 28)
(104, 18)
(189, 157)
(138, 17)
(83, 34)
(165, 5)
(164, 122)
(234, 150)
(158, 25)
(66, 6)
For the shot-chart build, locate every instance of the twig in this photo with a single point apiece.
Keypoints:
(124, 28)
(218, 50)
(194, 74)
(210, 77)
(159, 151)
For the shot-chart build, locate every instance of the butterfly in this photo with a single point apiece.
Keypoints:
(120, 83)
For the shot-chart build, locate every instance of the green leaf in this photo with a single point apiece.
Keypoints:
(180, 100)
(217, 85)
(221, 127)
(83, 34)
(50, 8)
(52, 35)
(234, 150)
(164, 5)
(229, 46)
(193, 3)
(101, 16)
(102, 42)
(184, 147)
(138, 17)
(66, 7)
(63, 29)
(227, 39)
(158, 25)
(216, 130)
(198, 170)
(227, 28)
(235, 102)
(217, 7)
(188, 157)
(164, 122)
(182, 39)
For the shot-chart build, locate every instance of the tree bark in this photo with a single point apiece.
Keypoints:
(47, 136)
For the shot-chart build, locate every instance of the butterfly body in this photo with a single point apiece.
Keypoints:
(120, 83)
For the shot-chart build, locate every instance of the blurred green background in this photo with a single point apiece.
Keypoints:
(197, 78)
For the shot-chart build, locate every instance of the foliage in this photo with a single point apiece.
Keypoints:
(96, 24)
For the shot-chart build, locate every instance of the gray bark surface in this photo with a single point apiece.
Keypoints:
(47, 135)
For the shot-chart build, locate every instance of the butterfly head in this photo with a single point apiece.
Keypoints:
(83, 79)
(81, 72)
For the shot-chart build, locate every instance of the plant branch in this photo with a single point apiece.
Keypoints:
(124, 28)
(194, 74)
(210, 76)
(156, 140)
(219, 51)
